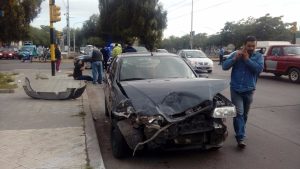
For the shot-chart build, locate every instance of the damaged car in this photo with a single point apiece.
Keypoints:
(157, 101)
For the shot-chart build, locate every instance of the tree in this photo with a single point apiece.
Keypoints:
(16, 26)
(40, 36)
(125, 20)
(265, 28)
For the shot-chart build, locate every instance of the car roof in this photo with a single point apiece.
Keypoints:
(143, 54)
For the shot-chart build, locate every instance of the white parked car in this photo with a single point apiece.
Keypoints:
(197, 59)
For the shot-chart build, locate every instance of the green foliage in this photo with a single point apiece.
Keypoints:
(18, 15)
(95, 41)
(265, 28)
(125, 20)
(89, 34)
(6, 81)
(40, 36)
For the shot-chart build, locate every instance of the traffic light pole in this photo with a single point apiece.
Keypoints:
(52, 40)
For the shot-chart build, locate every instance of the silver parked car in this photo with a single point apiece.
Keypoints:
(197, 59)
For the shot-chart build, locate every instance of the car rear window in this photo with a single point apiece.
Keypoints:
(292, 50)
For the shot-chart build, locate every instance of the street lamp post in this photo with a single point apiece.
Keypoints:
(192, 32)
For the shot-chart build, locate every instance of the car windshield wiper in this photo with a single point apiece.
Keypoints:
(130, 79)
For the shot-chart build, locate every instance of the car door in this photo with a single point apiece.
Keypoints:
(282, 61)
(271, 59)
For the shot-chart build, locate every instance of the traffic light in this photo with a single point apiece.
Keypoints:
(58, 34)
(294, 27)
(55, 13)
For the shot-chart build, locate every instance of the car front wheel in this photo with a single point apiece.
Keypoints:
(294, 75)
(120, 148)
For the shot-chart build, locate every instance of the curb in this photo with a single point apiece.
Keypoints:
(7, 91)
(92, 144)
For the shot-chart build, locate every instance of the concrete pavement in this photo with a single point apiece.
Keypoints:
(43, 134)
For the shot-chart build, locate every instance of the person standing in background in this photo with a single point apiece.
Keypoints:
(58, 58)
(117, 50)
(221, 54)
(97, 69)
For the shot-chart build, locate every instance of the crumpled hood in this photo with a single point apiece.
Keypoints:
(171, 96)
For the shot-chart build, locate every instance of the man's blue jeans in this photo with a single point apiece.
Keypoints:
(97, 71)
(242, 102)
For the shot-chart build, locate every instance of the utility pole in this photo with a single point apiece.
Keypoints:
(54, 17)
(68, 27)
(192, 32)
(74, 40)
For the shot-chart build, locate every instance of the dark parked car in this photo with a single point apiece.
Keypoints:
(157, 101)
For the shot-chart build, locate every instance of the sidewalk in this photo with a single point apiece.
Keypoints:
(44, 134)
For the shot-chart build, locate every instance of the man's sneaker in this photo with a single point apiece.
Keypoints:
(241, 144)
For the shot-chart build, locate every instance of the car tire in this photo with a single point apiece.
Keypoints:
(106, 109)
(120, 148)
(294, 75)
(277, 74)
(209, 71)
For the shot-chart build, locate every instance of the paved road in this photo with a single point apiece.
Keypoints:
(6, 65)
(273, 134)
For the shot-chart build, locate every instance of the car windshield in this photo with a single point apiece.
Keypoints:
(292, 50)
(194, 54)
(156, 67)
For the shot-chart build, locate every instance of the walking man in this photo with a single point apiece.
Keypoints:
(97, 69)
(246, 66)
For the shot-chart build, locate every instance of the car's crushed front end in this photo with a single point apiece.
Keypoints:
(179, 119)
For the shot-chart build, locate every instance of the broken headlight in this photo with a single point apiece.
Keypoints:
(149, 120)
(224, 112)
(124, 109)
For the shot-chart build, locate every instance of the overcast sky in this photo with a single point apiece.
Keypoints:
(209, 15)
